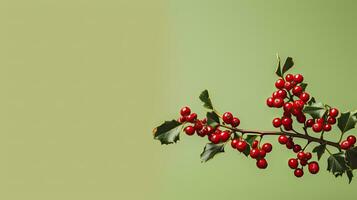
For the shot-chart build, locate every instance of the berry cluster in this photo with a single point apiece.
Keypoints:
(348, 143)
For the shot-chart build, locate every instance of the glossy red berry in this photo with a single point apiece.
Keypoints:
(182, 119)
(262, 153)
(198, 125)
(189, 130)
(225, 135)
(290, 144)
(299, 173)
(320, 120)
(298, 78)
(277, 122)
(297, 90)
(327, 127)
(289, 77)
(234, 143)
(227, 117)
(267, 147)
(286, 114)
(288, 106)
(296, 148)
(303, 162)
(255, 144)
(308, 155)
(201, 133)
(288, 86)
(283, 139)
(270, 102)
(241, 145)
(293, 163)
(317, 127)
(235, 122)
(278, 102)
(331, 120)
(214, 138)
(334, 112)
(301, 118)
(185, 111)
(209, 129)
(262, 163)
(281, 94)
(286, 121)
(314, 167)
(279, 84)
(254, 153)
(345, 145)
(309, 123)
(351, 139)
(304, 97)
(191, 117)
(298, 104)
(301, 155)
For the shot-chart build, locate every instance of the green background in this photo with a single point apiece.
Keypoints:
(84, 82)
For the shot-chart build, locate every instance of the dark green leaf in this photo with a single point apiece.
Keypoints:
(319, 150)
(168, 132)
(212, 119)
(349, 175)
(278, 70)
(336, 164)
(289, 63)
(211, 150)
(204, 97)
(347, 121)
(250, 139)
(351, 157)
(312, 101)
(316, 110)
(303, 85)
(246, 152)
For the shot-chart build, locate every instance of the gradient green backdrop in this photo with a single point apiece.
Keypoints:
(83, 83)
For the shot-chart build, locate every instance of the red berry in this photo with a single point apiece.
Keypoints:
(308, 155)
(288, 86)
(301, 118)
(298, 173)
(185, 111)
(309, 123)
(235, 122)
(189, 130)
(293, 163)
(275, 94)
(287, 114)
(279, 84)
(182, 119)
(201, 133)
(286, 121)
(227, 117)
(214, 138)
(270, 102)
(241, 145)
(209, 129)
(331, 120)
(290, 144)
(254, 153)
(303, 162)
(298, 78)
(314, 167)
(277, 122)
(320, 120)
(297, 90)
(334, 112)
(225, 135)
(281, 94)
(255, 144)
(345, 145)
(234, 143)
(198, 125)
(262, 153)
(351, 139)
(296, 148)
(267, 147)
(304, 97)
(192, 117)
(262, 163)
(278, 102)
(289, 77)
(283, 139)
(317, 127)
(288, 106)
(296, 112)
(204, 120)
(298, 104)
(301, 155)
(327, 127)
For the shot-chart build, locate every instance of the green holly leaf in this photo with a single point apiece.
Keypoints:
(347, 121)
(316, 110)
(349, 175)
(336, 164)
(250, 139)
(246, 152)
(351, 157)
(278, 70)
(289, 63)
(204, 97)
(312, 101)
(319, 150)
(303, 85)
(212, 119)
(211, 150)
(168, 132)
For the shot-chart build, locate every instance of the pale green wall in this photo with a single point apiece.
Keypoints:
(84, 82)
